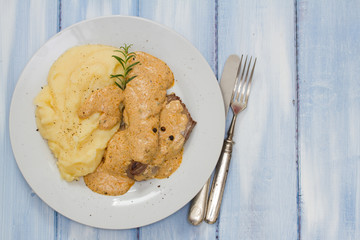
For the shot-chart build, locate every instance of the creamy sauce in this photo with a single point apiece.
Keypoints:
(173, 121)
(106, 101)
(108, 178)
(169, 166)
(144, 99)
(152, 135)
(171, 142)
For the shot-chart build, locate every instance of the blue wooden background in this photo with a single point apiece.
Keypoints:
(295, 172)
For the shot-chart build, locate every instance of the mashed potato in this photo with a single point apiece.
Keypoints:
(78, 144)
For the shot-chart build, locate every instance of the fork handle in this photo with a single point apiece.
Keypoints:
(218, 184)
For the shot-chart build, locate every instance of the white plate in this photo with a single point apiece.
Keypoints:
(146, 202)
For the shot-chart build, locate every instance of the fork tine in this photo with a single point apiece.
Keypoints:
(250, 80)
(245, 82)
(241, 81)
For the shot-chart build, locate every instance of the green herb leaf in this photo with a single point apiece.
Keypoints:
(124, 78)
(117, 76)
(133, 64)
(119, 86)
(120, 60)
(132, 78)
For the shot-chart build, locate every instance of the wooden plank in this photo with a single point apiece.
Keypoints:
(329, 117)
(195, 20)
(73, 12)
(260, 199)
(24, 28)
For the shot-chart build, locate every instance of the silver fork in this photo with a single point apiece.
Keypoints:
(239, 100)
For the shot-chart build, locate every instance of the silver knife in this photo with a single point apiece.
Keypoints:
(199, 203)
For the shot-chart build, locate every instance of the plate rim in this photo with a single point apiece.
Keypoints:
(11, 113)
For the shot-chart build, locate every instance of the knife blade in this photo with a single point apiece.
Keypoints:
(228, 77)
(199, 203)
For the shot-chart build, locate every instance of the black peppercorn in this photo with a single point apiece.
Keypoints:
(154, 130)
(163, 129)
(171, 137)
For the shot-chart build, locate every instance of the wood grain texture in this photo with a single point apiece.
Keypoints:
(329, 118)
(73, 11)
(24, 27)
(260, 199)
(195, 20)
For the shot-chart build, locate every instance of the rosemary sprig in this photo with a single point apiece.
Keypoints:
(123, 79)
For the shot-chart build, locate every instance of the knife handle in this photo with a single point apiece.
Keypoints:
(218, 184)
(198, 205)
